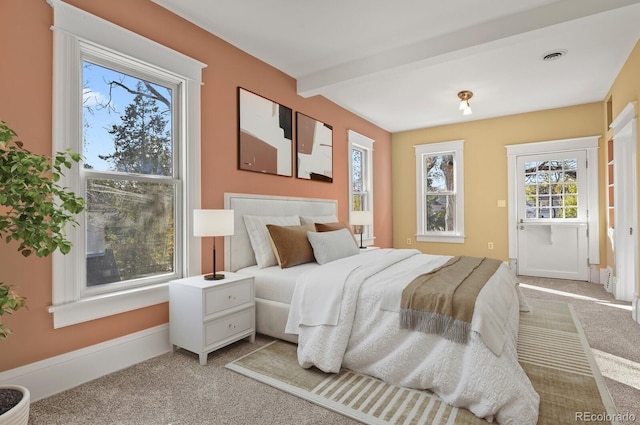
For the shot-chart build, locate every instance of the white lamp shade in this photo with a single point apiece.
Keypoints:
(361, 218)
(213, 222)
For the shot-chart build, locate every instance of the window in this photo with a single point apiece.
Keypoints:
(551, 188)
(358, 182)
(361, 178)
(439, 192)
(130, 178)
(132, 107)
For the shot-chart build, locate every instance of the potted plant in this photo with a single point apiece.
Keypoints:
(34, 212)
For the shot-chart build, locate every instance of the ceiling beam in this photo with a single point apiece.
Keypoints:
(456, 44)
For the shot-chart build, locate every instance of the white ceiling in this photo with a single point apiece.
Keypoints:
(400, 64)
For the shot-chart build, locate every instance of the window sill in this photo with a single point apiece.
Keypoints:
(108, 304)
(440, 238)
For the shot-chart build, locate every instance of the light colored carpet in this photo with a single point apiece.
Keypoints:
(612, 334)
(551, 347)
(175, 389)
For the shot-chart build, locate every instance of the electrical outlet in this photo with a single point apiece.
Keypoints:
(490, 245)
(408, 241)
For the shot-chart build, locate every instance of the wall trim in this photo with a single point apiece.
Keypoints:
(56, 374)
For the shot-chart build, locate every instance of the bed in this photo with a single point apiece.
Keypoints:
(356, 324)
(274, 286)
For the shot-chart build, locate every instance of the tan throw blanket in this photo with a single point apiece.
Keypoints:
(442, 301)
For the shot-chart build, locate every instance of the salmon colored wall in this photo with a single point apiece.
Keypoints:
(485, 173)
(25, 104)
(625, 89)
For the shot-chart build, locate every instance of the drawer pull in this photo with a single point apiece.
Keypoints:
(231, 325)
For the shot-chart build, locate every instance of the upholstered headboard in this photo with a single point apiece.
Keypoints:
(238, 252)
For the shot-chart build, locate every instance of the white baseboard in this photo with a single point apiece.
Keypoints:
(594, 274)
(53, 375)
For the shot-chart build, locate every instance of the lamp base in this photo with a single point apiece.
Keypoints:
(214, 276)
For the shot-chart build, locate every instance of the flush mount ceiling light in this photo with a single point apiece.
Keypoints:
(464, 96)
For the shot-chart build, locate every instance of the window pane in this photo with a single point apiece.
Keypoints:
(359, 201)
(551, 184)
(130, 230)
(357, 161)
(439, 173)
(127, 123)
(543, 189)
(440, 213)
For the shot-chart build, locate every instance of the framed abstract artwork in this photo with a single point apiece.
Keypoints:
(314, 150)
(265, 135)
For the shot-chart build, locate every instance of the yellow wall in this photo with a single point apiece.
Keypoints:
(625, 89)
(485, 173)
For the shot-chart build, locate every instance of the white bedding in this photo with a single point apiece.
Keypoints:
(355, 332)
(274, 283)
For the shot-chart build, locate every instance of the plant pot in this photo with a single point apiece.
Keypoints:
(18, 414)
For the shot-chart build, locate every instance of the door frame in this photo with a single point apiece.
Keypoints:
(588, 144)
(625, 213)
(541, 251)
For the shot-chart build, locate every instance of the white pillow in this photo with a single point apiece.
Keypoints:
(307, 219)
(259, 236)
(331, 246)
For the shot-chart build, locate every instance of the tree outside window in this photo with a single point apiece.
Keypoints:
(551, 189)
(361, 180)
(129, 172)
(358, 188)
(440, 192)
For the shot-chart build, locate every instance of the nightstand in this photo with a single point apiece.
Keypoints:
(205, 315)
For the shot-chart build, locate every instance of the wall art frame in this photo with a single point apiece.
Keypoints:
(314, 149)
(265, 135)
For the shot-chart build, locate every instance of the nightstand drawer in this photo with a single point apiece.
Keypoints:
(225, 327)
(220, 299)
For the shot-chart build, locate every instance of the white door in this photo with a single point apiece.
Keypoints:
(552, 215)
(626, 216)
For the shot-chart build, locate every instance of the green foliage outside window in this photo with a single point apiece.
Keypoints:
(440, 200)
(131, 192)
(551, 189)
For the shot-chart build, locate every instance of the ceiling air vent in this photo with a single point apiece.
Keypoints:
(553, 55)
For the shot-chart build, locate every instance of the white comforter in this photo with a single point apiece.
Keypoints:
(337, 312)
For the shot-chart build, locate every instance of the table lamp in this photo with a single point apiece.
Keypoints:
(361, 218)
(213, 223)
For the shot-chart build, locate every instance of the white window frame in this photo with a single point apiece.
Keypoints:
(365, 144)
(455, 147)
(76, 32)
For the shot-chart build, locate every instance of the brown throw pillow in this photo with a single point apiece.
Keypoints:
(291, 245)
(329, 227)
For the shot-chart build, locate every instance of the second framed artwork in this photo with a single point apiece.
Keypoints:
(314, 149)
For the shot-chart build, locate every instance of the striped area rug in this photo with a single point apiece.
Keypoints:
(552, 349)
